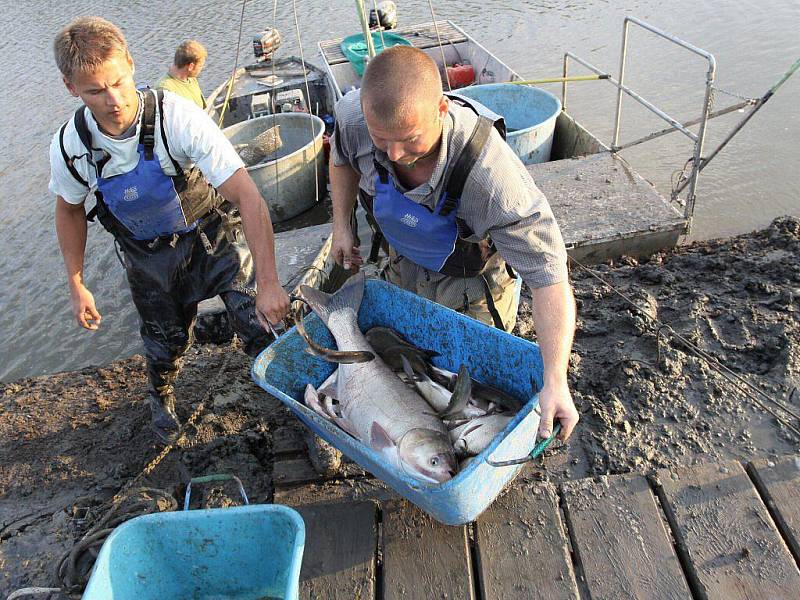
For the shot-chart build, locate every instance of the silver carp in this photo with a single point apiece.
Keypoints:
(372, 403)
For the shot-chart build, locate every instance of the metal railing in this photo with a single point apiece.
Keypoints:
(675, 125)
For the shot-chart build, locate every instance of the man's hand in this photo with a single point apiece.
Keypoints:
(556, 404)
(344, 252)
(272, 305)
(84, 309)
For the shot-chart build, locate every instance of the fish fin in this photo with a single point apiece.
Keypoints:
(462, 392)
(348, 296)
(379, 439)
(407, 369)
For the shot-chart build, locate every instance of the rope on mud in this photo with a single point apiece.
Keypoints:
(713, 362)
(69, 573)
(74, 567)
(32, 591)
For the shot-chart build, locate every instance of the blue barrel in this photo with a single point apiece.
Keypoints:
(246, 552)
(530, 114)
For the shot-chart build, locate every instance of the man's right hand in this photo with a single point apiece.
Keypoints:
(344, 252)
(84, 309)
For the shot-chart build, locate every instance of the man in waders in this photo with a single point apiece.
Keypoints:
(170, 188)
(462, 218)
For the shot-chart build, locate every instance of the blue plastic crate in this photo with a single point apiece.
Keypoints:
(245, 552)
(492, 356)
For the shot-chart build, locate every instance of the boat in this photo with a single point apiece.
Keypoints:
(605, 209)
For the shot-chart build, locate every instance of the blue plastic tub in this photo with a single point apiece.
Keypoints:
(530, 114)
(245, 552)
(492, 356)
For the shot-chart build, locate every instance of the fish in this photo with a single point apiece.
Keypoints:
(372, 403)
(472, 437)
(481, 391)
(388, 344)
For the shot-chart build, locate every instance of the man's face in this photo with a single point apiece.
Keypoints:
(109, 92)
(193, 69)
(408, 141)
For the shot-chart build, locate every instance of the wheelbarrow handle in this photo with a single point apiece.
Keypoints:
(213, 479)
(537, 450)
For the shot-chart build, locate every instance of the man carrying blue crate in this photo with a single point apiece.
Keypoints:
(176, 197)
(462, 219)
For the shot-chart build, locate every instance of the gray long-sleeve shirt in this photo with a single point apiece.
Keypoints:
(499, 199)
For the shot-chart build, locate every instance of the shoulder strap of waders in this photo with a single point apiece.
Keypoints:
(179, 174)
(469, 156)
(82, 129)
(69, 160)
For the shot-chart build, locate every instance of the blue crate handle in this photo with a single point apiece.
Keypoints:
(213, 479)
(537, 450)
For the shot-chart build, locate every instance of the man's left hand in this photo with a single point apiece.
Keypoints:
(556, 402)
(272, 304)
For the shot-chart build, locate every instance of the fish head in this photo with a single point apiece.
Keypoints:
(428, 454)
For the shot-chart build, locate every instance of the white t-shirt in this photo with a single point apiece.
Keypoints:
(193, 137)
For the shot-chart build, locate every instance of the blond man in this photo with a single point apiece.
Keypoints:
(190, 58)
(176, 197)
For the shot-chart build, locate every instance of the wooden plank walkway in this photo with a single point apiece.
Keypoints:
(714, 531)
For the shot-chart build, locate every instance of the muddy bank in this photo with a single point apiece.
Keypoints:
(646, 399)
(70, 441)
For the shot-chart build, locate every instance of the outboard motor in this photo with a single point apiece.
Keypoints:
(265, 44)
(385, 16)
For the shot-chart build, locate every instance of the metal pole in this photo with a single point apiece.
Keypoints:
(362, 16)
(698, 147)
(759, 103)
(712, 115)
(564, 84)
(561, 79)
(622, 58)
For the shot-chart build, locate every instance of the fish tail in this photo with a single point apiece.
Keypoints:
(347, 297)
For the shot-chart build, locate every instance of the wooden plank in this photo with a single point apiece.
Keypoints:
(340, 553)
(725, 534)
(365, 488)
(422, 558)
(620, 540)
(778, 482)
(295, 471)
(287, 440)
(523, 550)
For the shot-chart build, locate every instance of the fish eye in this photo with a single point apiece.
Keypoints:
(434, 461)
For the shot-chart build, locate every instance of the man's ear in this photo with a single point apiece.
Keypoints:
(444, 103)
(70, 87)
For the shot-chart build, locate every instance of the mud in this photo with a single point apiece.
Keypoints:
(70, 441)
(646, 399)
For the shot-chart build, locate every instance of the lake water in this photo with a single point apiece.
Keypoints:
(752, 181)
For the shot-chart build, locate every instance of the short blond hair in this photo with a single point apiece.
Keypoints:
(190, 51)
(398, 80)
(86, 43)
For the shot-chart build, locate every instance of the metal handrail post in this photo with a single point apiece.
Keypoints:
(564, 71)
(688, 211)
(622, 59)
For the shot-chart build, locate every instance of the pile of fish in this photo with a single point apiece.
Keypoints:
(387, 393)
(260, 147)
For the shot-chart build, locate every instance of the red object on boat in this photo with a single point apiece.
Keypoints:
(326, 146)
(460, 75)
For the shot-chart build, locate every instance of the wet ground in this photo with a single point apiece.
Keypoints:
(70, 441)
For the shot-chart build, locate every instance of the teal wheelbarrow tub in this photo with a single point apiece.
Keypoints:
(492, 356)
(246, 552)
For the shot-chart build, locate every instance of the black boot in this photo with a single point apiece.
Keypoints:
(164, 421)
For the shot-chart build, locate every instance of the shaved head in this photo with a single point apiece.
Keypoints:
(399, 83)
